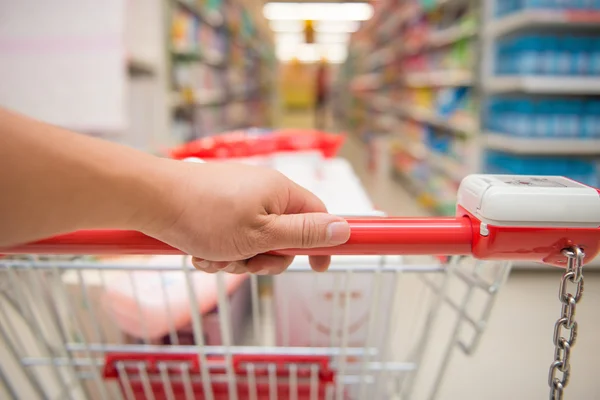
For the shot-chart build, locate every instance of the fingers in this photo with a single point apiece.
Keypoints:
(302, 201)
(262, 264)
(304, 231)
(319, 263)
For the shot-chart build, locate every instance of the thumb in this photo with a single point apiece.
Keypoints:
(307, 231)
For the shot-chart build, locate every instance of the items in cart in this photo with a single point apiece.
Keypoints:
(545, 118)
(149, 304)
(548, 55)
(263, 142)
(586, 171)
(308, 309)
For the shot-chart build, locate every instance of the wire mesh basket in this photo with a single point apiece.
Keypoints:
(154, 328)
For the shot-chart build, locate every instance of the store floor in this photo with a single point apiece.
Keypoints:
(513, 358)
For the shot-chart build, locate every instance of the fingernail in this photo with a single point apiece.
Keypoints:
(230, 269)
(338, 233)
(199, 264)
(263, 272)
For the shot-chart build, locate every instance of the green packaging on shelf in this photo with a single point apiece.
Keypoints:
(213, 5)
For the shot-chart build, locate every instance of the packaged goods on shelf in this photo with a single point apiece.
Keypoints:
(583, 170)
(577, 55)
(544, 118)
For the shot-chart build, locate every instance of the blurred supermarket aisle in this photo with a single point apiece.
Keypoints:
(386, 193)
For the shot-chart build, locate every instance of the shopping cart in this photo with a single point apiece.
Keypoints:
(364, 329)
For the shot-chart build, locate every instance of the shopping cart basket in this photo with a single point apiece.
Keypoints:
(364, 329)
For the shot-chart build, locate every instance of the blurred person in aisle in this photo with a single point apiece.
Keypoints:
(321, 93)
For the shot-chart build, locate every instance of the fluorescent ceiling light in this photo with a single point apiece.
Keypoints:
(318, 11)
(320, 26)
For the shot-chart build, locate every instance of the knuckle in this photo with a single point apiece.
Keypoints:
(310, 233)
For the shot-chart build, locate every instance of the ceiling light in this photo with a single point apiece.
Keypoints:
(318, 11)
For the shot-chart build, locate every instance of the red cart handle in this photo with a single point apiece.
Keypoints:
(464, 235)
(435, 236)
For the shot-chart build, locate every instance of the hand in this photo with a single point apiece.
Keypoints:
(228, 215)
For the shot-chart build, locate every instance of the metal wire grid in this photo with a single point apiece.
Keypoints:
(58, 341)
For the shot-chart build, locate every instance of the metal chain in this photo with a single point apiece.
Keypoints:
(565, 329)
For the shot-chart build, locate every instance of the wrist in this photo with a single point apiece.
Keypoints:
(158, 201)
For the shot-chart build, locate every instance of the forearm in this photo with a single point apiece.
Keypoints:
(54, 181)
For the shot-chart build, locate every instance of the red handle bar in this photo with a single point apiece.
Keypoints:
(416, 236)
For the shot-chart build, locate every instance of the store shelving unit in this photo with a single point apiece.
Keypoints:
(397, 93)
(553, 103)
(218, 51)
(543, 19)
(411, 79)
(544, 85)
(518, 145)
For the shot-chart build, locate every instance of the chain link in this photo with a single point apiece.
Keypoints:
(565, 329)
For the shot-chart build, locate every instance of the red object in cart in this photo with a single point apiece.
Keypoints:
(242, 144)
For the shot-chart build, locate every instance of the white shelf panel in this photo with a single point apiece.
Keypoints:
(426, 116)
(544, 84)
(450, 35)
(439, 78)
(516, 145)
(449, 167)
(543, 19)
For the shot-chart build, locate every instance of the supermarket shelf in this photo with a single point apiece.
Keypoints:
(516, 145)
(441, 38)
(212, 18)
(446, 3)
(442, 163)
(450, 35)
(544, 84)
(244, 93)
(367, 82)
(420, 190)
(428, 117)
(139, 67)
(439, 78)
(205, 99)
(399, 17)
(543, 19)
(211, 59)
(382, 57)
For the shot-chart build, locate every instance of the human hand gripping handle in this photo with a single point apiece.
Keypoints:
(228, 216)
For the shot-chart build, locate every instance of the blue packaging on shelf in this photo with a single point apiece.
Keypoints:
(591, 120)
(595, 50)
(583, 55)
(582, 170)
(524, 118)
(528, 57)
